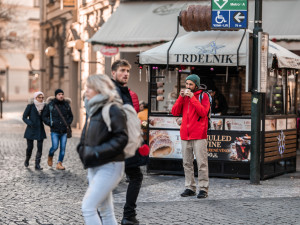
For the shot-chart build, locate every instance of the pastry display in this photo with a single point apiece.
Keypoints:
(160, 144)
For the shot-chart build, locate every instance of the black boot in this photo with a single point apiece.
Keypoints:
(130, 221)
(26, 163)
(38, 160)
(38, 167)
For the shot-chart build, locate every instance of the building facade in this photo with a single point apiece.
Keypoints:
(68, 59)
(16, 83)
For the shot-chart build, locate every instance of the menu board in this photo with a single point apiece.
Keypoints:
(281, 124)
(270, 125)
(216, 124)
(164, 122)
(238, 124)
(291, 123)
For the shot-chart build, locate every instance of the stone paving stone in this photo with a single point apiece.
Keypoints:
(52, 197)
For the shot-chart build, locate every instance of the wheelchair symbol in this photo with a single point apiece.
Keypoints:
(220, 18)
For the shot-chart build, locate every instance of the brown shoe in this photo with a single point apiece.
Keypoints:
(50, 161)
(59, 166)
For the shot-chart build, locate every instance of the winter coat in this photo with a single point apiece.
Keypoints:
(35, 128)
(104, 146)
(124, 93)
(194, 116)
(57, 125)
(135, 100)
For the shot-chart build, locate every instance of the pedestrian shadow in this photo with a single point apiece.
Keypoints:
(43, 177)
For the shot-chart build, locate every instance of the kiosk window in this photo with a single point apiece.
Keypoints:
(164, 91)
(291, 91)
(275, 96)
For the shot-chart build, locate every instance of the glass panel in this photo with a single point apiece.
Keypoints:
(275, 96)
(163, 90)
(291, 91)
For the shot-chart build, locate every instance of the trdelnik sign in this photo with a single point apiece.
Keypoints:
(206, 54)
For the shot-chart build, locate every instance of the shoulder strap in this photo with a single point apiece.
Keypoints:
(50, 109)
(60, 114)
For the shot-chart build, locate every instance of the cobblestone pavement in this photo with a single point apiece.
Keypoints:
(52, 197)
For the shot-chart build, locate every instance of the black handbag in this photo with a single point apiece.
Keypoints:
(69, 130)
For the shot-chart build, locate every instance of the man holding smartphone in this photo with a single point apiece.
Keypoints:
(193, 133)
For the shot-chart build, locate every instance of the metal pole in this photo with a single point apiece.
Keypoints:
(256, 100)
(7, 83)
(80, 87)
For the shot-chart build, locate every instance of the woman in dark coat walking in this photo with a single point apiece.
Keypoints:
(101, 149)
(35, 128)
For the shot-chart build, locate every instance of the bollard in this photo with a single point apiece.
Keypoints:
(1, 107)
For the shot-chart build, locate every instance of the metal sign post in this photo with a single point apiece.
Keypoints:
(229, 14)
(256, 99)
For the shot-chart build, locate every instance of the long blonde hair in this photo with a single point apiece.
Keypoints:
(103, 84)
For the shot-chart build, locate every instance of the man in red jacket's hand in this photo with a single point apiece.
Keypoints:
(193, 133)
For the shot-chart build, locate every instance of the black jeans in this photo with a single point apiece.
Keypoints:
(39, 150)
(135, 182)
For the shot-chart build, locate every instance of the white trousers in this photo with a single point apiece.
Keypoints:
(102, 180)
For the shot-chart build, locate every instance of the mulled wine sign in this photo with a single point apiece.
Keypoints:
(229, 146)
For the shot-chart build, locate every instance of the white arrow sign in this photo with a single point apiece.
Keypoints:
(239, 17)
(221, 6)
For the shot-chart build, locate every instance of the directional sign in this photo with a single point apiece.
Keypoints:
(229, 14)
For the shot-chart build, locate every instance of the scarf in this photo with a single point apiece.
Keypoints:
(99, 100)
(39, 105)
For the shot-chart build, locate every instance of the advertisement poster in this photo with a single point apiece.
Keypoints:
(229, 146)
(216, 123)
(163, 122)
(238, 124)
(291, 123)
(281, 124)
(165, 144)
(270, 125)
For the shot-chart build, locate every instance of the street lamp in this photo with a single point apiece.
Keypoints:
(79, 45)
(51, 52)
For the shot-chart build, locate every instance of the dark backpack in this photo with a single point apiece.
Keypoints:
(209, 111)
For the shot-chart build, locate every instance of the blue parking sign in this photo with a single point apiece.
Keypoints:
(238, 19)
(220, 19)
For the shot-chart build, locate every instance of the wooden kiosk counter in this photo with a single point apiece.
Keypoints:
(220, 58)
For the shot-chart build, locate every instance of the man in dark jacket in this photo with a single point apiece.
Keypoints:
(58, 125)
(120, 75)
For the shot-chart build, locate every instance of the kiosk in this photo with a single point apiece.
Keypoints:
(221, 59)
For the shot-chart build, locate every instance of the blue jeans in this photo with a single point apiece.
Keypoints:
(102, 180)
(55, 138)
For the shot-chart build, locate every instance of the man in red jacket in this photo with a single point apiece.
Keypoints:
(193, 133)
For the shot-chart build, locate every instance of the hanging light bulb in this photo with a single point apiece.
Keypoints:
(170, 78)
(140, 72)
(147, 74)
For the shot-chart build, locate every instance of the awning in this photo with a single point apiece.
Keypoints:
(214, 48)
(138, 24)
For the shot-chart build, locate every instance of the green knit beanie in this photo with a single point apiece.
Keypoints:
(195, 78)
